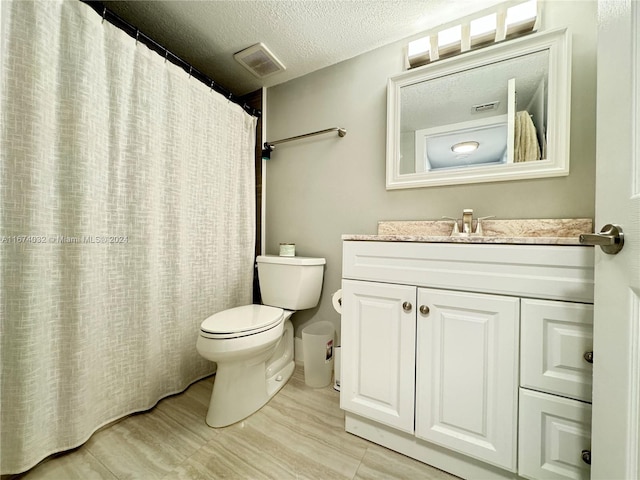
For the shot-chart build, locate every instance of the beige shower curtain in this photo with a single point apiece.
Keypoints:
(126, 218)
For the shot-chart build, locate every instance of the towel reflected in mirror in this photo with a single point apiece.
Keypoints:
(526, 146)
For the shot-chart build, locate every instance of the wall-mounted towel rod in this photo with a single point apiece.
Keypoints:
(269, 146)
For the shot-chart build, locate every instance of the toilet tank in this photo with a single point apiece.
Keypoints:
(293, 283)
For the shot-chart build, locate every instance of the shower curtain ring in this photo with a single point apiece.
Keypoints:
(212, 83)
(137, 35)
(166, 54)
(104, 13)
(190, 68)
(230, 95)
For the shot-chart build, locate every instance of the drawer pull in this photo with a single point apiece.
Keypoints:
(586, 456)
(406, 306)
(424, 310)
(588, 357)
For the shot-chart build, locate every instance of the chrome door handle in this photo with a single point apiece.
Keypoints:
(610, 239)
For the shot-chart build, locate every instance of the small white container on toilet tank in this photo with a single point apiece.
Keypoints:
(287, 249)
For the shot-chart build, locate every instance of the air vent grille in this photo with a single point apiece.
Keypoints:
(485, 107)
(259, 60)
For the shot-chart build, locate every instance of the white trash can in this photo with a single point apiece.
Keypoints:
(317, 346)
(336, 368)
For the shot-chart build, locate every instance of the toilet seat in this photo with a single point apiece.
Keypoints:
(241, 321)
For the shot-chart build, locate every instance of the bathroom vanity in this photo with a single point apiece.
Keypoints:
(470, 354)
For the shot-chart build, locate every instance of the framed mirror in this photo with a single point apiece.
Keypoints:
(494, 114)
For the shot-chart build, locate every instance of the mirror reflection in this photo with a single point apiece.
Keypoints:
(493, 114)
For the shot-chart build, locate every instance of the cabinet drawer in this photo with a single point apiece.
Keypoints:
(554, 339)
(553, 432)
(540, 271)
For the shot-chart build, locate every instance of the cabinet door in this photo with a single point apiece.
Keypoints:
(554, 431)
(555, 337)
(378, 352)
(467, 374)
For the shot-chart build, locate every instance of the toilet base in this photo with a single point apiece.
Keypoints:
(280, 379)
(240, 389)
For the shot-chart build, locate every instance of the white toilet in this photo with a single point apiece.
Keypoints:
(253, 344)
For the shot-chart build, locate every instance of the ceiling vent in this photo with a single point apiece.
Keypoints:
(259, 61)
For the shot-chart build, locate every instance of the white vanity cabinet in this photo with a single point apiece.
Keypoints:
(431, 336)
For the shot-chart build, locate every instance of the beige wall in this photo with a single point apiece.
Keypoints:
(320, 188)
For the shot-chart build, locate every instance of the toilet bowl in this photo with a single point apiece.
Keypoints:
(253, 344)
(254, 359)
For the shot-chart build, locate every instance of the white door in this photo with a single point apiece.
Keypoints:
(378, 352)
(467, 373)
(616, 366)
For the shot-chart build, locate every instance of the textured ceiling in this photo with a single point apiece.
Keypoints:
(432, 104)
(306, 35)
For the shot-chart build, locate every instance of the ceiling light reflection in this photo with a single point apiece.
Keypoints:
(465, 147)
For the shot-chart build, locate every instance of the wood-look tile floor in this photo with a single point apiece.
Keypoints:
(299, 434)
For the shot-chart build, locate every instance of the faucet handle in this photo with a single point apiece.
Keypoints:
(456, 229)
(479, 225)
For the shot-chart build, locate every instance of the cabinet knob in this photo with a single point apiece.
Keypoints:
(586, 456)
(424, 309)
(406, 306)
(588, 357)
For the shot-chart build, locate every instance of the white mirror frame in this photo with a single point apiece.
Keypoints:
(558, 43)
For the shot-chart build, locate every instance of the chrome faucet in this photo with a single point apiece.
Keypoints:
(467, 221)
(467, 224)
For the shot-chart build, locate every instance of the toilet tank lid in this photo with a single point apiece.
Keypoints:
(290, 260)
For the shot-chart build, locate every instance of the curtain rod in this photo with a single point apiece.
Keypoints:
(134, 32)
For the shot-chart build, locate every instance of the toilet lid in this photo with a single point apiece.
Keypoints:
(245, 320)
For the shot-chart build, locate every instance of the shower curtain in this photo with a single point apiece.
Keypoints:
(127, 217)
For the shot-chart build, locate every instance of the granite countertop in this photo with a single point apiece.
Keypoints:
(523, 232)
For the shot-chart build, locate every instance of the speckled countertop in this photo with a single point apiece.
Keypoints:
(554, 231)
